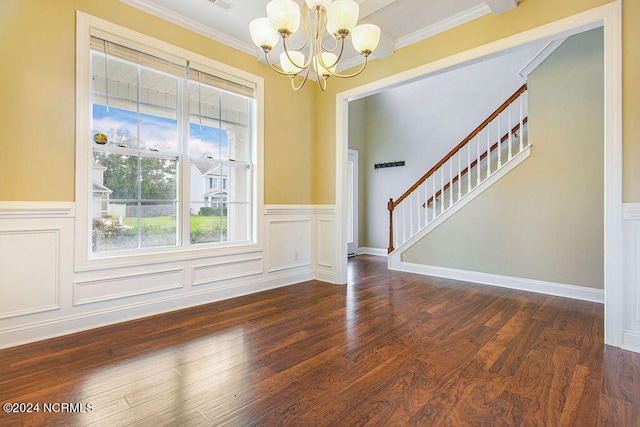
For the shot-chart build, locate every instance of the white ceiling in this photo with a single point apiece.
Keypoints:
(403, 22)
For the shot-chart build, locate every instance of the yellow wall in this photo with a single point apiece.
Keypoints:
(37, 93)
(489, 28)
(37, 47)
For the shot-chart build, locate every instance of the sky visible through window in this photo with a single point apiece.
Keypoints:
(158, 133)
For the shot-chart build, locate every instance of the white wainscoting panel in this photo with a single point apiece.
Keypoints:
(42, 296)
(205, 274)
(305, 232)
(288, 243)
(631, 325)
(116, 287)
(325, 243)
(30, 271)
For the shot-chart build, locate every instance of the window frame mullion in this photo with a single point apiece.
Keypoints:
(184, 162)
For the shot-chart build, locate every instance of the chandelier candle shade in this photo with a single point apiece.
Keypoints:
(337, 18)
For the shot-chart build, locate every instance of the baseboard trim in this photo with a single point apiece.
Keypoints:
(325, 276)
(631, 341)
(46, 329)
(530, 285)
(372, 251)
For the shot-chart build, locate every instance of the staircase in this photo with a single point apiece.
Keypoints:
(495, 147)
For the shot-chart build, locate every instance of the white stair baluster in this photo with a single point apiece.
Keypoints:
(417, 210)
(422, 213)
(411, 214)
(521, 124)
(499, 145)
(509, 130)
(422, 218)
(478, 162)
(433, 198)
(450, 181)
(468, 167)
(441, 189)
(426, 201)
(459, 175)
(404, 222)
(396, 232)
(488, 152)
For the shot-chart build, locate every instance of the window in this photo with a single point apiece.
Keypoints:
(171, 150)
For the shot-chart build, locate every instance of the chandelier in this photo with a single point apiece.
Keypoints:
(338, 18)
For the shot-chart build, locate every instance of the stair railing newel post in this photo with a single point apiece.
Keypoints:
(390, 206)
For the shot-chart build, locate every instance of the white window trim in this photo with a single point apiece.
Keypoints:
(85, 24)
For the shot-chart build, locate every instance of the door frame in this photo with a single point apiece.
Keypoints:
(353, 155)
(608, 16)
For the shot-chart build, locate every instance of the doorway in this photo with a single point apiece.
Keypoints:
(608, 16)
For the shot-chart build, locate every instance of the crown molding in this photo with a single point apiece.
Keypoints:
(444, 25)
(190, 24)
(249, 48)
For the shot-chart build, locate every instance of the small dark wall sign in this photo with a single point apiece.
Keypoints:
(388, 165)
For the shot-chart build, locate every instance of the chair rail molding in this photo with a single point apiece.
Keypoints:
(37, 210)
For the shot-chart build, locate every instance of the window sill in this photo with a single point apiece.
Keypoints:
(102, 262)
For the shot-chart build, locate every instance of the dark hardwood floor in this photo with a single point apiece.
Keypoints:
(388, 349)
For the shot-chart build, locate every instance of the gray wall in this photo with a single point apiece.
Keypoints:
(544, 220)
(419, 123)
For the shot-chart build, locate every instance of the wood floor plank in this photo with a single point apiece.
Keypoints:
(389, 348)
(583, 400)
(618, 375)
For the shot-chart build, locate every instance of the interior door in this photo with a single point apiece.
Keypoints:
(352, 208)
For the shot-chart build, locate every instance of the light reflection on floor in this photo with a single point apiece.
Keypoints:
(165, 380)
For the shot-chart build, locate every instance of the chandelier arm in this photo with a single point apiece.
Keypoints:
(266, 57)
(348, 76)
(323, 25)
(335, 63)
(322, 83)
(334, 48)
(320, 19)
(305, 28)
(307, 61)
(304, 80)
(286, 43)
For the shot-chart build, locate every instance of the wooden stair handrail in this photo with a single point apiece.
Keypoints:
(475, 162)
(444, 160)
